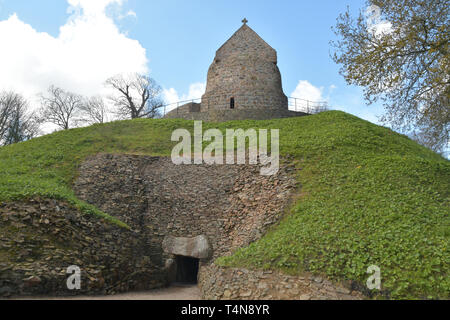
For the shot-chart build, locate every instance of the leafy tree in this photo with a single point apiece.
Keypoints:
(136, 96)
(398, 50)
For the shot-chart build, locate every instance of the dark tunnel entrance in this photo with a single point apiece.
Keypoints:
(187, 270)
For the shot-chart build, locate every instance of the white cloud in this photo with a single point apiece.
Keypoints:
(171, 96)
(375, 24)
(305, 90)
(89, 49)
(381, 29)
(351, 103)
(309, 96)
(131, 13)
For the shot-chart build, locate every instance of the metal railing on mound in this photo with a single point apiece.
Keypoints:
(295, 105)
(307, 106)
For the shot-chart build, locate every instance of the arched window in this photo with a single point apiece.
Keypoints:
(232, 103)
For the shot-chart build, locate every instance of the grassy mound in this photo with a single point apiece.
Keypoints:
(370, 196)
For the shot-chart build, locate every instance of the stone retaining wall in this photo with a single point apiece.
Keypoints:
(218, 283)
(231, 205)
(40, 239)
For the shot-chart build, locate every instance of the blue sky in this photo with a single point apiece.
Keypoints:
(172, 39)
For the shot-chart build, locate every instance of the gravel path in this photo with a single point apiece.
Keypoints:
(172, 293)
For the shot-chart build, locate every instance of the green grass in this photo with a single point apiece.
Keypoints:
(47, 166)
(369, 196)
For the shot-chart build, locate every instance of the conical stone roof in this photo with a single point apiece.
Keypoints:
(244, 75)
(245, 41)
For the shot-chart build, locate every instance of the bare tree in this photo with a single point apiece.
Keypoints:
(94, 110)
(7, 100)
(61, 107)
(17, 123)
(137, 96)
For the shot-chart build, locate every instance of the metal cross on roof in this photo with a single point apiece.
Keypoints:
(245, 21)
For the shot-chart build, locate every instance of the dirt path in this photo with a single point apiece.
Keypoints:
(172, 293)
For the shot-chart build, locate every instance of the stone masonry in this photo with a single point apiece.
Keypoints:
(41, 238)
(245, 68)
(196, 211)
(218, 283)
(244, 82)
(230, 205)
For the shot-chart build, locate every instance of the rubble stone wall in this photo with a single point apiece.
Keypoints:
(232, 205)
(218, 283)
(41, 238)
